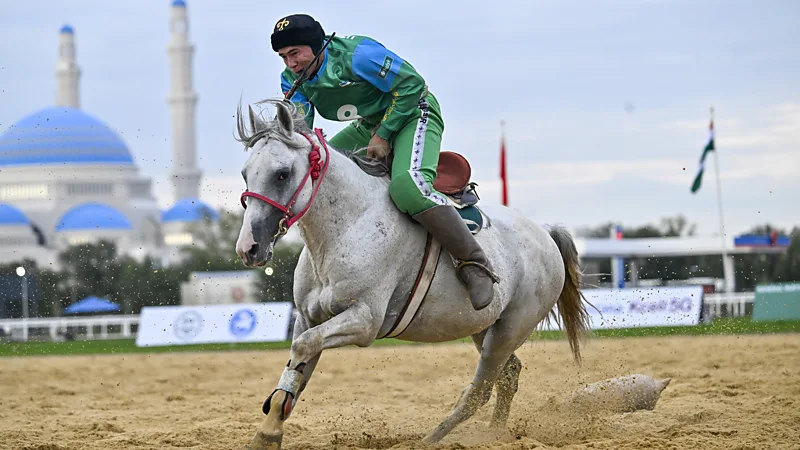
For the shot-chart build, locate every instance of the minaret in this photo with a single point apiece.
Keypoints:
(67, 71)
(182, 101)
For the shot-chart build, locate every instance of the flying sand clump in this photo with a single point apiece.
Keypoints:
(621, 394)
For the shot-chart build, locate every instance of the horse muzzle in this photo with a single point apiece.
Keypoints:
(254, 247)
(256, 255)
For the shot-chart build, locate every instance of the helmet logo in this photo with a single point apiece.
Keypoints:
(283, 23)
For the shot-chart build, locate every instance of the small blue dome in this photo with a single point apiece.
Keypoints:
(62, 135)
(189, 210)
(10, 215)
(67, 29)
(179, 3)
(93, 216)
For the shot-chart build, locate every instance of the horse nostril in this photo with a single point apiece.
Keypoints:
(253, 250)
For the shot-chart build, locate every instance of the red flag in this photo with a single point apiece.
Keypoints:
(503, 163)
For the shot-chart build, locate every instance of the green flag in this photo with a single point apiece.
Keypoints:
(698, 179)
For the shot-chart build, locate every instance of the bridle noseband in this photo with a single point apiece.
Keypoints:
(316, 172)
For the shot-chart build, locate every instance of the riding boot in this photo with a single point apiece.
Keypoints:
(473, 267)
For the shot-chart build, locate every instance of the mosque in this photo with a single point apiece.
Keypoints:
(68, 178)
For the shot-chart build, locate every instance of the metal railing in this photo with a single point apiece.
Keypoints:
(733, 304)
(62, 328)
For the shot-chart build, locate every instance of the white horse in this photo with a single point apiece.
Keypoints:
(361, 260)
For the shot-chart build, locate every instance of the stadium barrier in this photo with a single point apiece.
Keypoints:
(68, 328)
(777, 301)
(735, 304)
(127, 326)
(214, 324)
(642, 307)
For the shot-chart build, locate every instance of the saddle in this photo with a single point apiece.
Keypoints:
(453, 174)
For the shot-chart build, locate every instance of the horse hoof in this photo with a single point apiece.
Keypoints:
(431, 439)
(263, 441)
(497, 425)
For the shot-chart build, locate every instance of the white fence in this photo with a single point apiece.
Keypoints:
(726, 305)
(126, 327)
(57, 328)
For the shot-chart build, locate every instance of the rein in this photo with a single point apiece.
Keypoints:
(316, 171)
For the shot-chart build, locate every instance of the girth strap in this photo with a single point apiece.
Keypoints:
(423, 283)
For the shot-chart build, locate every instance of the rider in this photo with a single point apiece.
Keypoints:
(357, 79)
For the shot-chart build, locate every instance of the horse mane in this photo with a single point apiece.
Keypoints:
(269, 128)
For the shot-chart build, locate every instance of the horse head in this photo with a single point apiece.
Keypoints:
(278, 178)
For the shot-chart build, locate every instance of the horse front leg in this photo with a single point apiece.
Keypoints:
(287, 402)
(353, 326)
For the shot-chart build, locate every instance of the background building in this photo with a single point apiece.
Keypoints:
(68, 178)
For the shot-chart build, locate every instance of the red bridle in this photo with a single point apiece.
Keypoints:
(316, 171)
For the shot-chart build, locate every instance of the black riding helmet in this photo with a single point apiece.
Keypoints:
(298, 29)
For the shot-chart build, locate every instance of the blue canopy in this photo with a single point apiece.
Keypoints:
(90, 305)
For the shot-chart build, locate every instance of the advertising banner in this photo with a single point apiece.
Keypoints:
(643, 307)
(181, 325)
(775, 302)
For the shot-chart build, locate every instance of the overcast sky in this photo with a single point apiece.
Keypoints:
(606, 103)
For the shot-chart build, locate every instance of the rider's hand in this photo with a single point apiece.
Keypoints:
(378, 147)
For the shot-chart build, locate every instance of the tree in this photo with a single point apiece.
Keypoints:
(147, 284)
(279, 285)
(677, 226)
(214, 250)
(214, 247)
(91, 269)
(52, 292)
(788, 267)
(598, 232)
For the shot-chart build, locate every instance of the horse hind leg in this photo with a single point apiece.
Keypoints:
(506, 385)
(495, 352)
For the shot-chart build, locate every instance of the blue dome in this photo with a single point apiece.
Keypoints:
(66, 29)
(62, 135)
(93, 216)
(11, 215)
(189, 210)
(179, 3)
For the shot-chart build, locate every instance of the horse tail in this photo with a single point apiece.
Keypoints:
(571, 307)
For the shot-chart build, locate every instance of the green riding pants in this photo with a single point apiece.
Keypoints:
(415, 149)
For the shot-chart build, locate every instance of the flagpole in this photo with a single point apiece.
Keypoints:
(719, 203)
(503, 174)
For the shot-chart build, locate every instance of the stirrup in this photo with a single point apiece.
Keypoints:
(461, 265)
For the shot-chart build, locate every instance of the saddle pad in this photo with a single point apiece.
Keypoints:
(472, 217)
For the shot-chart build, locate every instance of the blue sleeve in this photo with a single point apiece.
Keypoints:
(376, 64)
(388, 72)
(302, 103)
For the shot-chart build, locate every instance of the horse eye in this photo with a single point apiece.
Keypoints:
(283, 174)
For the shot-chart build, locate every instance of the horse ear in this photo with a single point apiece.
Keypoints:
(285, 119)
(255, 122)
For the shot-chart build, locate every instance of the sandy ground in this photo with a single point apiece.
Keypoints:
(731, 392)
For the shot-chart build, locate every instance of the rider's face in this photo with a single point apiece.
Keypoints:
(296, 57)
